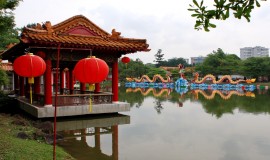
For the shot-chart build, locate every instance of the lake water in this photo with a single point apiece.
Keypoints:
(170, 125)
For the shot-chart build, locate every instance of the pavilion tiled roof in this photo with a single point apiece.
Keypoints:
(79, 32)
(6, 66)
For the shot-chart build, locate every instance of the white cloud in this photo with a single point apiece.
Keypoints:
(166, 25)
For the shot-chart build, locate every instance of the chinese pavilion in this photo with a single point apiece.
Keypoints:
(66, 43)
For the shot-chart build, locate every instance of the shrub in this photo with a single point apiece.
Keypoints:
(8, 104)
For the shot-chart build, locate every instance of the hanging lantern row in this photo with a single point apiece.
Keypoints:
(89, 70)
(29, 66)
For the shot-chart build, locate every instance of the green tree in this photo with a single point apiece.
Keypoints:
(256, 66)
(219, 63)
(153, 71)
(221, 11)
(3, 77)
(173, 62)
(266, 65)
(132, 69)
(7, 31)
(159, 58)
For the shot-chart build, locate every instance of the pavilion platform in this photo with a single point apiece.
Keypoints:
(74, 105)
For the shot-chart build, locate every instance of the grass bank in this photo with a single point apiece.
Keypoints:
(27, 147)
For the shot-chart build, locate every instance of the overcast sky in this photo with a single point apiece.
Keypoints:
(166, 24)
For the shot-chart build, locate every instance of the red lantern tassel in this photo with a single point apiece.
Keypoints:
(91, 88)
(31, 81)
(90, 104)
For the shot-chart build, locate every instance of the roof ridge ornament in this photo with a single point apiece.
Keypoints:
(48, 27)
(44, 27)
(38, 26)
(115, 34)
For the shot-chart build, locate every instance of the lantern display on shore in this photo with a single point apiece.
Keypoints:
(29, 66)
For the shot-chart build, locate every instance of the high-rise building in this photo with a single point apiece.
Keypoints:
(257, 51)
(196, 60)
(187, 60)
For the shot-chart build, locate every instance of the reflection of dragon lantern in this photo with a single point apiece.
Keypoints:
(224, 95)
(153, 90)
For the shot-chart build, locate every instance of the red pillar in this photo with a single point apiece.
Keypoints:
(97, 138)
(37, 85)
(36, 88)
(27, 89)
(71, 84)
(115, 142)
(67, 79)
(55, 82)
(62, 81)
(115, 81)
(16, 83)
(97, 87)
(83, 135)
(21, 86)
(48, 83)
(82, 88)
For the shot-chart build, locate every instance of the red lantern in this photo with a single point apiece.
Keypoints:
(91, 70)
(125, 60)
(29, 66)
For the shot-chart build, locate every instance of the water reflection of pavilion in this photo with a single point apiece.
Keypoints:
(76, 131)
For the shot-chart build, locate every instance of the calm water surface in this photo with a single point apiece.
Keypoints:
(167, 125)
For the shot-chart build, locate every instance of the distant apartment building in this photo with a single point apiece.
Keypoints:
(187, 60)
(196, 60)
(257, 51)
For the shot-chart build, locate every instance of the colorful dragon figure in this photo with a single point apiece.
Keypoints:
(181, 71)
(213, 78)
(146, 78)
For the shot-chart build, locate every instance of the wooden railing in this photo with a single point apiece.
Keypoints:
(78, 99)
(81, 99)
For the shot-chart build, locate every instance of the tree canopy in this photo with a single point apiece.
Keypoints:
(3, 77)
(219, 63)
(221, 11)
(256, 66)
(132, 69)
(173, 62)
(7, 31)
(159, 57)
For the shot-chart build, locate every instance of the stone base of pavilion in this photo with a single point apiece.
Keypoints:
(72, 110)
